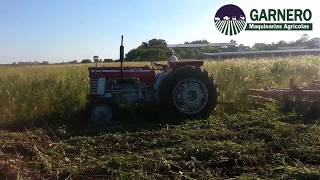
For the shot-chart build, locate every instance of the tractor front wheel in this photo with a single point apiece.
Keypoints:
(101, 114)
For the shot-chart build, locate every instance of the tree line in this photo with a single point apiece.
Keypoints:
(155, 49)
(303, 42)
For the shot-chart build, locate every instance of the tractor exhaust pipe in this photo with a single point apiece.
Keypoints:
(121, 55)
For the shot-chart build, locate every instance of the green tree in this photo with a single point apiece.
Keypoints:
(86, 61)
(160, 43)
(144, 45)
(107, 60)
(198, 42)
(155, 49)
(313, 43)
(282, 43)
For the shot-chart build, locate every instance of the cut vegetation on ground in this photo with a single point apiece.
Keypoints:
(44, 135)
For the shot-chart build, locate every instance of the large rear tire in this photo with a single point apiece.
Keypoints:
(189, 91)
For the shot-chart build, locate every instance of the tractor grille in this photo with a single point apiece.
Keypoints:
(93, 86)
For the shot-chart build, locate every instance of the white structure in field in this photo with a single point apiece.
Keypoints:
(226, 18)
(219, 45)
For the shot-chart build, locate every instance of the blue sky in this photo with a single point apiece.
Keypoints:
(63, 30)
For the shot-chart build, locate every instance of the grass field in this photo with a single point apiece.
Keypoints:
(41, 107)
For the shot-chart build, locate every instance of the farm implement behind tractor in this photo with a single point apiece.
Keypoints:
(303, 99)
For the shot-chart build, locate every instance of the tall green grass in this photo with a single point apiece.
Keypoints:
(31, 93)
(58, 92)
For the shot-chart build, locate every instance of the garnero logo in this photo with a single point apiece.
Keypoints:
(230, 20)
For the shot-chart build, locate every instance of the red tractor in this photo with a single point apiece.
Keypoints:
(186, 89)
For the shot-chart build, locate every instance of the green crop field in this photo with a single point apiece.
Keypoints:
(44, 134)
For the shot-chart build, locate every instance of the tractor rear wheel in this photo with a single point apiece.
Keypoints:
(190, 91)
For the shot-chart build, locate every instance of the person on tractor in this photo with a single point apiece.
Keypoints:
(171, 57)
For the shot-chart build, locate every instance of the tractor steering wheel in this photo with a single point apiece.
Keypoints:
(157, 66)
